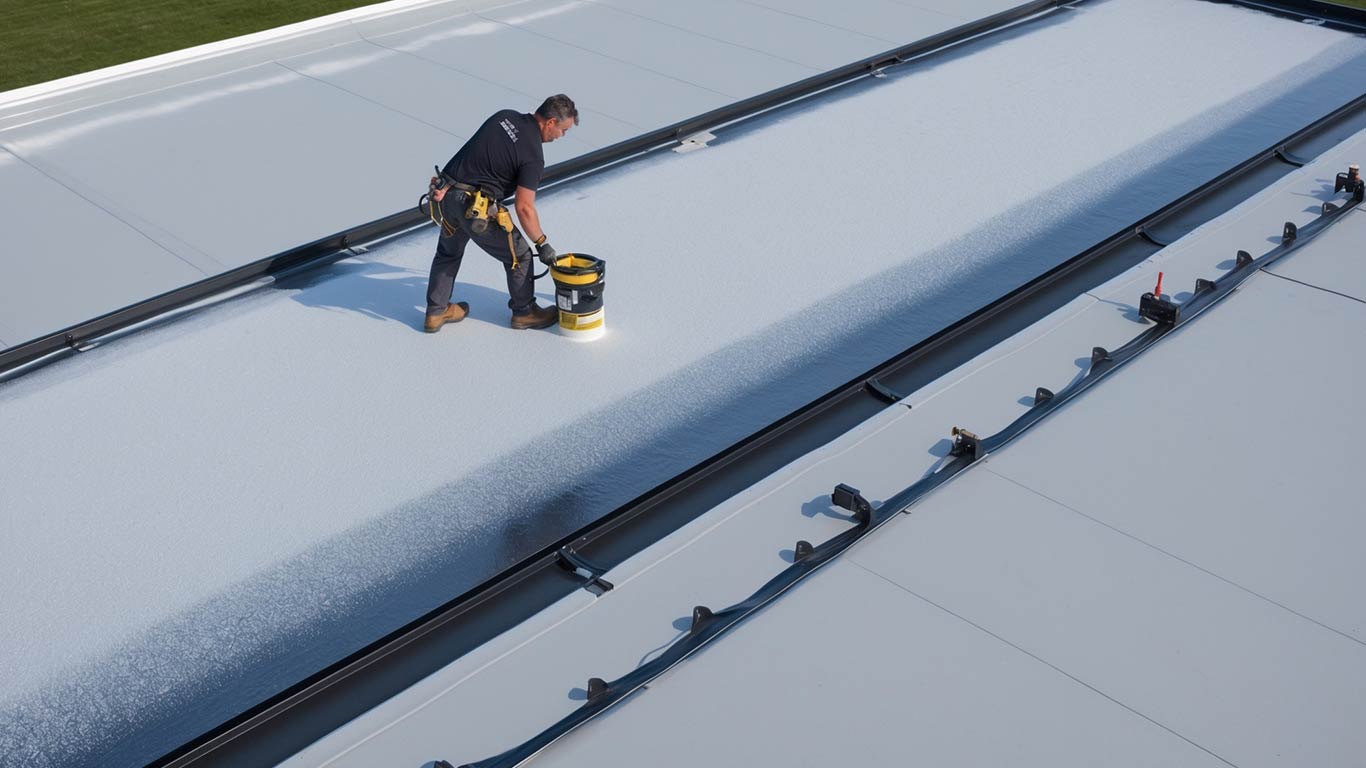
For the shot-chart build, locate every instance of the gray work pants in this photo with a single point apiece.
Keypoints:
(450, 250)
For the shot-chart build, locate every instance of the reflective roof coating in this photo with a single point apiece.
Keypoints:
(1164, 571)
(265, 486)
(181, 174)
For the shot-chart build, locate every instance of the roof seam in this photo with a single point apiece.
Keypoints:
(1176, 557)
(1349, 297)
(1048, 664)
(631, 64)
(9, 149)
(818, 21)
(379, 104)
(622, 9)
(375, 41)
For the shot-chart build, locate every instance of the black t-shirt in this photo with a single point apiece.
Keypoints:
(505, 153)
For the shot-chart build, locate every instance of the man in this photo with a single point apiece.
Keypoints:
(504, 155)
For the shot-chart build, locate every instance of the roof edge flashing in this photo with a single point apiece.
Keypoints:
(28, 95)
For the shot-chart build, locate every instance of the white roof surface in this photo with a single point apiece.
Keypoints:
(203, 513)
(178, 174)
(1165, 571)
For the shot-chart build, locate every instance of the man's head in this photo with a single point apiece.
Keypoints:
(556, 116)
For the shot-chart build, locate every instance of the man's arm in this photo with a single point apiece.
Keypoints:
(525, 204)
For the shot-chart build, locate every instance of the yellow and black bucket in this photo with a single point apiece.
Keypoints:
(579, 282)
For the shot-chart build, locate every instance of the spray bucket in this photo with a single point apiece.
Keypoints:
(579, 282)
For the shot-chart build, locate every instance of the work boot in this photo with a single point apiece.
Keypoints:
(453, 314)
(538, 317)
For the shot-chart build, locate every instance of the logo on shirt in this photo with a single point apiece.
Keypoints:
(510, 128)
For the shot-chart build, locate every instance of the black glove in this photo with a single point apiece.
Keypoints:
(546, 254)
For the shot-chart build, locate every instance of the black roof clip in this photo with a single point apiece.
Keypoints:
(1286, 157)
(883, 392)
(574, 563)
(1144, 234)
(1159, 309)
(965, 443)
(701, 617)
(1242, 260)
(802, 551)
(77, 345)
(848, 497)
(1042, 395)
(597, 688)
(1351, 183)
(1202, 285)
(1290, 232)
(1099, 355)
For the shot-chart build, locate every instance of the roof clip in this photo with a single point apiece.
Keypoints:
(694, 142)
(1242, 260)
(848, 497)
(1157, 308)
(1290, 232)
(1285, 157)
(701, 617)
(1351, 183)
(597, 688)
(1202, 285)
(76, 345)
(1042, 395)
(878, 69)
(965, 443)
(1099, 355)
(573, 562)
(802, 551)
(883, 392)
(1144, 234)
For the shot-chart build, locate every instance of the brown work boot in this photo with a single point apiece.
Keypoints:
(453, 314)
(538, 317)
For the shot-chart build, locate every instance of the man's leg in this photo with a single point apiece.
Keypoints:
(521, 279)
(446, 264)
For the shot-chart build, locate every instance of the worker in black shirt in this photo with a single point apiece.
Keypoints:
(504, 155)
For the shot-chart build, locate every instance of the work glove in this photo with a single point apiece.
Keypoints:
(546, 254)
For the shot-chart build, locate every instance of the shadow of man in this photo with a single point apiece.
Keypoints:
(384, 292)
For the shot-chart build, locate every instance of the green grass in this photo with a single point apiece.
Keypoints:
(43, 40)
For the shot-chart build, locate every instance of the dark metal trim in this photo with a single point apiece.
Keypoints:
(1332, 15)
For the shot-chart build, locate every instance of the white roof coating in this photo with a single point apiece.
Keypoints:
(1165, 571)
(184, 173)
(211, 510)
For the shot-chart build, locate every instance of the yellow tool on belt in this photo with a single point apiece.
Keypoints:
(505, 223)
(478, 212)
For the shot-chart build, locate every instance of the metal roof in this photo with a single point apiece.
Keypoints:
(182, 173)
(1163, 570)
(234, 438)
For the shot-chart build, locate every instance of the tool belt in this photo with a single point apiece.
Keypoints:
(482, 207)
